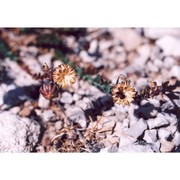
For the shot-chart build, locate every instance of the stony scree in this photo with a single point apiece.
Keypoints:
(42, 102)
(126, 139)
(137, 129)
(47, 115)
(150, 136)
(157, 122)
(131, 148)
(169, 45)
(128, 37)
(17, 134)
(167, 146)
(77, 115)
(163, 134)
(157, 33)
(141, 54)
(66, 98)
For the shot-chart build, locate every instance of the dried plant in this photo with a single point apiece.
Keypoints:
(73, 138)
(54, 79)
(64, 75)
(123, 93)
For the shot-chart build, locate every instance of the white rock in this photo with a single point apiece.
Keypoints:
(57, 62)
(176, 139)
(93, 46)
(144, 51)
(157, 122)
(168, 62)
(47, 115)
(163, 134)
(109, 149)
(119, 127)
(133, 120)
(171, 128)
(45, 58)
(14, 110)
(158, 63)
(32, 64)
(171, 118)
(126, 140)
(112, 149)
(154, 102)
(84, 104)
(129, 37)
(156, 146)
(66, 98)
(170, 45)
(17, 134)
(77, 115)
(104, 45)
(21, 79)
(28, 50)
(120, 114)
(175, 72)
(156, 33)
(126, 123)
(85, 57)
(137, 129)
(150, 136)
(131, 148)
(42, 102)
(76, 97)
(151, 67)
(58, 125)
(139, 62)
(167, 146)
(155, 52)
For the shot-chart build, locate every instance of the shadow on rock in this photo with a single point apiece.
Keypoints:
(19, 95)
(146, 111)
(99, 106)
(174, 97)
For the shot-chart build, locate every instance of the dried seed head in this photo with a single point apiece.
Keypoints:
(123, 93)
(64, 75)
(49, 90)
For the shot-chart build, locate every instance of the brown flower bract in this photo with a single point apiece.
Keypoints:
(49, 90)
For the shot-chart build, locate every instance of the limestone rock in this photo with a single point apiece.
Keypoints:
(137, 129)
(157, 122)
(150, 136)
(169, 45)
(131, 148)
(77, 115)
(17, 134)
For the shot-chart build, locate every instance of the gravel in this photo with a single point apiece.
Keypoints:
(141, 54)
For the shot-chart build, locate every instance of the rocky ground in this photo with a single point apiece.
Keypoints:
(84, 118)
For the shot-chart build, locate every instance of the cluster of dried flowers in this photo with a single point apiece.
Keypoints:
(124, 93)
(63, 76)
(60, 77)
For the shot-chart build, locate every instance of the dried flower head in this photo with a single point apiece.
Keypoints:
(49, 90)
(64, 75)
(123, 93)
